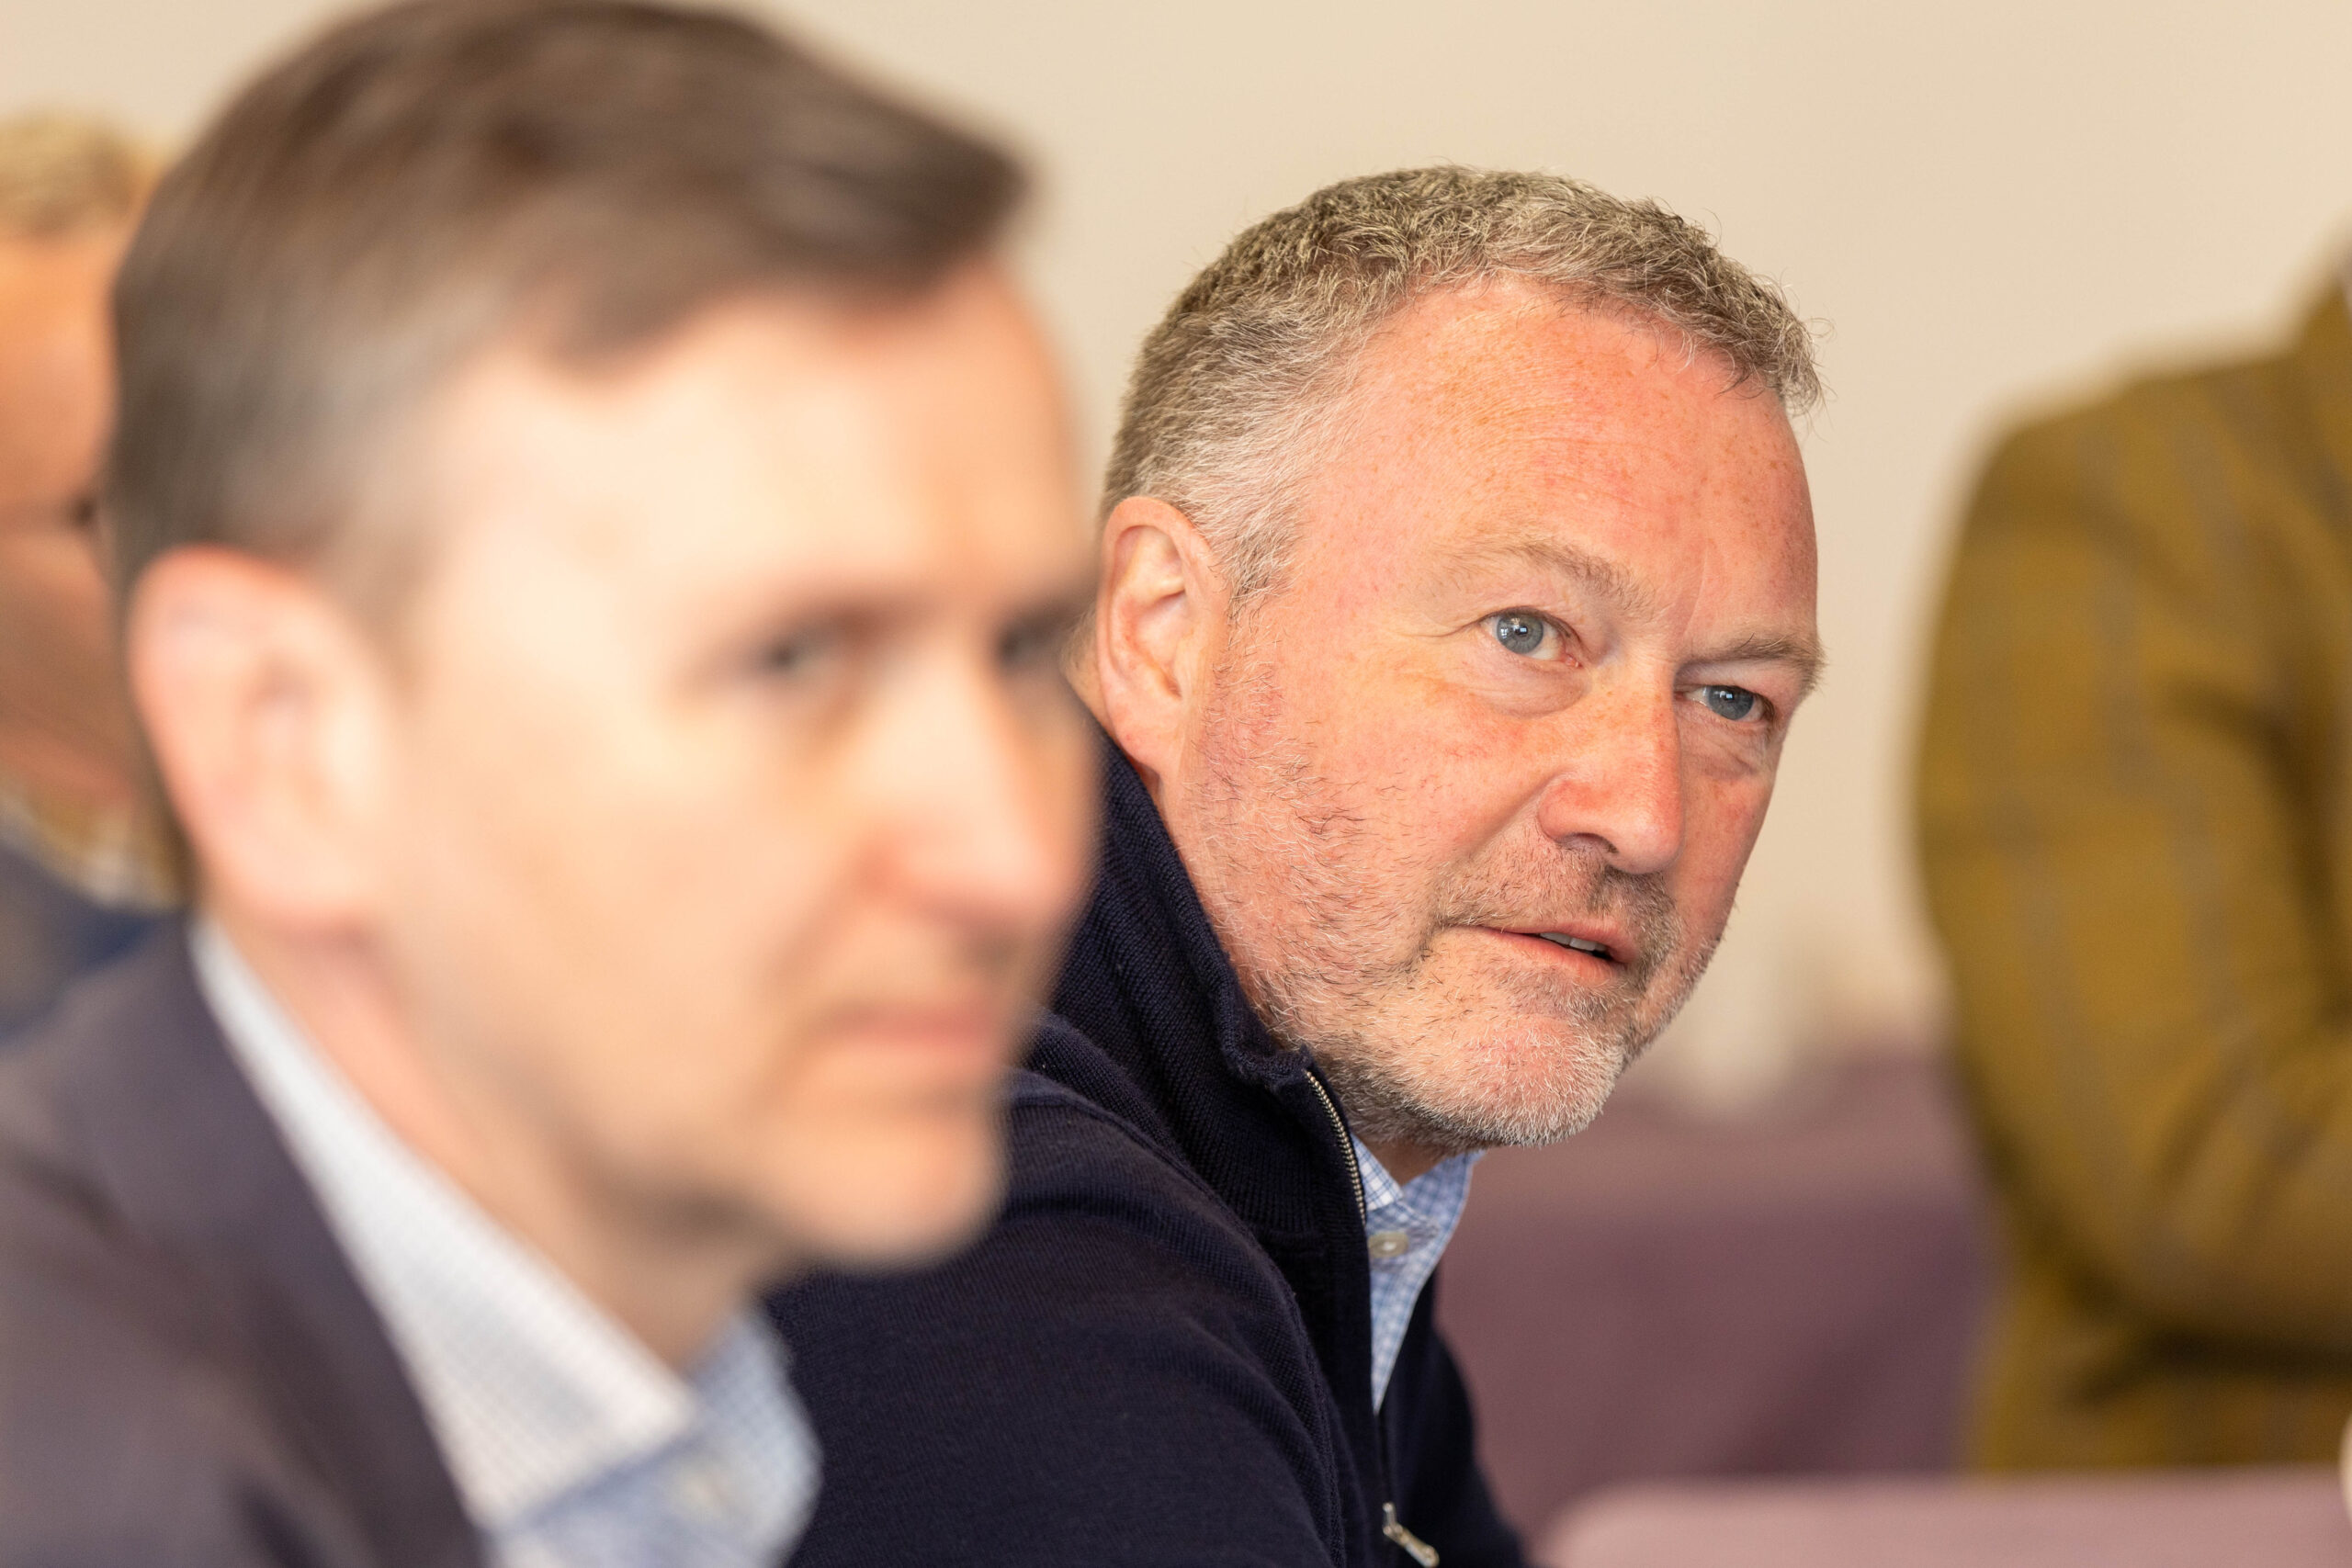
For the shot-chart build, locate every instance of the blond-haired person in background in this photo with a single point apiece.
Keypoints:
(80, 867)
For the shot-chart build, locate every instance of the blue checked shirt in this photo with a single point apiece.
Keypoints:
(1405, 1229)
(570, 1443)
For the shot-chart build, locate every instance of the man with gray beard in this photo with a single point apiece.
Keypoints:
(1456, 594)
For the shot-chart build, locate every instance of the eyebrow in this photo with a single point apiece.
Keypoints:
(1598, 575)
(1775, 647)
(1606, 580)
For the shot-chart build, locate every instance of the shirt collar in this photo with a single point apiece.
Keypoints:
(1407, 1226)
(1447, 1182)
(531, 1388)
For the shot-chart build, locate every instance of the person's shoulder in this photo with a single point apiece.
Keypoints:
(1068, 1070)
(1098, 1214)
(135, 1425)
(1097, 1193)
(2157, 446)
(127, 1432)
(1115, 1368)
(1098, 1162)
(59, 1234)
(1087, 1146)
(84, 1292)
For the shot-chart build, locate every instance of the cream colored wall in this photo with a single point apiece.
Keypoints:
(1986, 203)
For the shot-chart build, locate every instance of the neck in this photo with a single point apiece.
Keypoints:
(673, 1284)
(1403, 1157)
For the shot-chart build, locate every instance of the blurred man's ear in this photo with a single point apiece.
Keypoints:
(1160, 629)
(266, 705)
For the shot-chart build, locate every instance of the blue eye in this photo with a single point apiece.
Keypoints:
(1520, 631)
(1733, 703)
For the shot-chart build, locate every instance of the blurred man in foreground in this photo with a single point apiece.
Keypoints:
(597, 535)
(81, 862)
(2133, 800)
(1457, 593)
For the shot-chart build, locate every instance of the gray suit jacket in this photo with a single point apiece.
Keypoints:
(51, 933)
(189, 1373)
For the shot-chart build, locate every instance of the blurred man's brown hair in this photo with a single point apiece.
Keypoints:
(570, 457)
(328, 253)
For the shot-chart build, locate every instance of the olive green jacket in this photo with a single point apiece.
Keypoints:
(2135, 805)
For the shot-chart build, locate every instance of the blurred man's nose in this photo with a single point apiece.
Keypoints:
(1619, 788)
(990, 807)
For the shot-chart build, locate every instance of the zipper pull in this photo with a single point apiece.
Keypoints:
(1417, 1549)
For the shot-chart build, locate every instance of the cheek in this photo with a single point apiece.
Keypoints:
(1720, 828)
(509, 813)
(1403, 741)
(608, 891)
(1440, 771)
(680, 1020)
(1064, 780)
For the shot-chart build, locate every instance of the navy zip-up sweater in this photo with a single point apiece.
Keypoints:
(1162, 1353)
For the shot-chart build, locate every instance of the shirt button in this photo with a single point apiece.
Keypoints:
(1389, 1244)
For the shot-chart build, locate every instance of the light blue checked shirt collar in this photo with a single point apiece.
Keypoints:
(1405, 1229)
(571, 1444)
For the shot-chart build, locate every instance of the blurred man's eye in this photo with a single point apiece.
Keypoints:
(1035, 643)
(804, 654)
(1526, 633)
(1734, 702)
(77, 513)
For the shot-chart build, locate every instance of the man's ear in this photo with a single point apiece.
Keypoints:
(266, 707)
(1158, 630)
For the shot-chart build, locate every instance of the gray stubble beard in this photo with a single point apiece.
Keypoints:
(1317, 993)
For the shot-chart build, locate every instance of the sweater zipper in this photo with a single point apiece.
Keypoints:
(1346, 1145)
(1391, 1527)
(1414, 1547)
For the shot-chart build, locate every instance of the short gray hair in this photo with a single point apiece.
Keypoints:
(63, 173)
(1233, 393)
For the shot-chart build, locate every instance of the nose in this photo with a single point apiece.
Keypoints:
(988, 806)
(1619, 794)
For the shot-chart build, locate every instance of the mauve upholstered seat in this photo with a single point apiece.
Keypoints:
(2237, 1519)
(1792, 1293)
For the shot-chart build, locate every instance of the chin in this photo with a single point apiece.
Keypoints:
(1561, 1107)
(1513, 1083)
(1500, 1116)
(904, 1202)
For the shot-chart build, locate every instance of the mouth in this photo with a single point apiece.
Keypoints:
(1583, 944)
(1606, 949)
